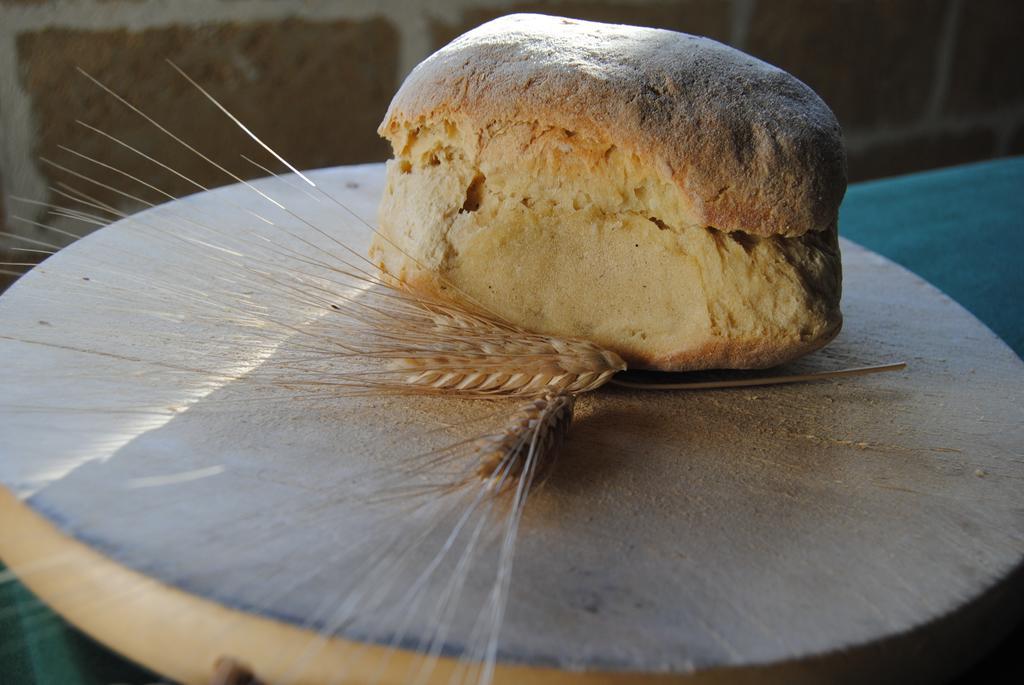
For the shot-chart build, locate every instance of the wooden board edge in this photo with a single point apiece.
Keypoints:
(181, 636)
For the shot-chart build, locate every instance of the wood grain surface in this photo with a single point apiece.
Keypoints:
(865, 528)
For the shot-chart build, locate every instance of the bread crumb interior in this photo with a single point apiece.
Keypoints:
(577, 237)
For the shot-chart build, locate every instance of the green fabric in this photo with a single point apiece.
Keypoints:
(960, 228)
(38, 648)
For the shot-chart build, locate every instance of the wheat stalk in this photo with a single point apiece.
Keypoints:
(765, 380)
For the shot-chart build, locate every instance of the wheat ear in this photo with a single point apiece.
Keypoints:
(434, 346)
(527, 443)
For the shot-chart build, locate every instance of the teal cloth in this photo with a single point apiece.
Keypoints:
(960, 228)
(37, 647)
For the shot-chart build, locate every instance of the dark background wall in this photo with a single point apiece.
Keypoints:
(916, 84)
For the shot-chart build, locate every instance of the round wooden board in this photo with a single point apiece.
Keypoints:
(863, 529)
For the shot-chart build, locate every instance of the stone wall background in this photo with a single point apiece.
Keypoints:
(916, 84)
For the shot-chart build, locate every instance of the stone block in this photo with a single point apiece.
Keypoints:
(700, 17)
(920, 153)
(315, 92)
(987, 70)
(872, 61)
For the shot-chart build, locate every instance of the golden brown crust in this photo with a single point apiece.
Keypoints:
(751, 353)
(749, 146)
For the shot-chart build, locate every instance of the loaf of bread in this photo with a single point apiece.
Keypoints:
(663, 195)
